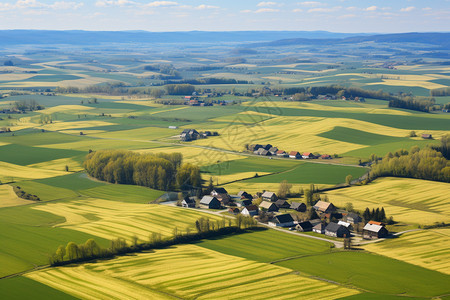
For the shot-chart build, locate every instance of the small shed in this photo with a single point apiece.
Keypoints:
(188, 202)
(308, 155)
(210, 202)
(353, 218)
(268, 206)
(298, 206)
(345, 224)
(243, 203)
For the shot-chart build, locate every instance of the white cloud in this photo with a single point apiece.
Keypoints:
(348, 16)
(324, 10)
(266, 3)
(246, 11)
(426, 8)
(371, 8)
(407, 9)
(297, 10)
(264, 10)
(66, 5)
(205, 6)
(105, 3)
(162, 3)
(28, 4)
(311, 3)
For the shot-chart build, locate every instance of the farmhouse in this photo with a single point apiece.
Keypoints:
(244, 195)
(325, 156)
(269, 196)
(353, 218)
(242, 203)
(282, 153)
(295, 155)
(189, 135)
(285, 220)
(336, 230)
(298, 206)
(282, 204)
(251, 210)
(319, 228)
(427, 136)
(254, 147)
(324, 207)
(262, 152)
(210, 202)
(268, 206)
(222, 195)
(273, 150)
(308, 155)
(188, 202)
(374, 231)
(304, 226)
(267, 147)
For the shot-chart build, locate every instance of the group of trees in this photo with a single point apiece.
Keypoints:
(441, 92)
(30, 105)
(24, 195)
(180, 89)
(206, 228)
(425, 163)
(210, 80)
(414, 103)
(159, 171)
(377, 214)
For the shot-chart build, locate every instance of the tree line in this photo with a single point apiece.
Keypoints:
(211, 80)
(158, 171)
(424, 104)
(418, 163)
(441, 92)
(206, 228)
(377, 214)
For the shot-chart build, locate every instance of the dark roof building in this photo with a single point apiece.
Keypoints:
(210, 202)
(268, 206)
(319, 228)
(282, 204)
(336, 230)
(353, 218)
(285, 220)
(251, 210)
(374, 231)
(269, 196)
(304, 226)
(188, 202)
(324, 207)
(298, 206)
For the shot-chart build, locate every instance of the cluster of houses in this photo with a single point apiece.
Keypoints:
(242, 203)
(269, 150)
(188, 135)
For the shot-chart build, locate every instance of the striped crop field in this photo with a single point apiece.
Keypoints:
(113, 219)
(11, 172)
(426, 248)
(188, 272)
(407, 200)
(301, 134)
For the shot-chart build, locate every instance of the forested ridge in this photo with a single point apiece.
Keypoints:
(428, 163)
(158, 171)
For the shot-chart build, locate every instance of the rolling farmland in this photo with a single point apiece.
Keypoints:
(428, 249)
(188, 272)
(408, 200)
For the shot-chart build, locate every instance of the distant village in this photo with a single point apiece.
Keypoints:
(269, 150)
(323, 218)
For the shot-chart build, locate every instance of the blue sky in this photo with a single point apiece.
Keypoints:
(330, 15)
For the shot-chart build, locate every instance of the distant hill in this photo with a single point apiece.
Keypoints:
(78, 37)
(433, 38)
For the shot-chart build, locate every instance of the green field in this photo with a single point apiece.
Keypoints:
(313, 173)
(266, 246)
(24, 288)
(24, 155)
(350, 135)
(374, 273)
(74, 182)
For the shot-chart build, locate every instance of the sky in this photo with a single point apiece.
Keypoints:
(349, 16)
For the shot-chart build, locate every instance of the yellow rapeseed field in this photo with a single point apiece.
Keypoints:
(187, 272)
(65, 108)
(9, 198)
(111, 219)
(425, 248)
(58, 125)
(59, 165)
(10, 172)
(407, 200)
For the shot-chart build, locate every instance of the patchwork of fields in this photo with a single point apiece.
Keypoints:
(407, 200)
(188, 272)
(427, 248)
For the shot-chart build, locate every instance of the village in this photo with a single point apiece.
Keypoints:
(322, 218)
